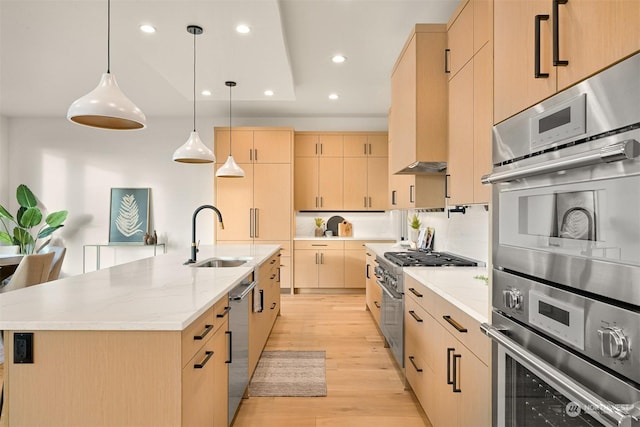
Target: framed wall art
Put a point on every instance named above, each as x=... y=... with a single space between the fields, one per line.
x=129 y=217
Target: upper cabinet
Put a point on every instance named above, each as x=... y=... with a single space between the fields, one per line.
x=341 y=171
x=264 y=146
x=418 y=118
x=418 y=129
x=470 y=102
x=590 y=36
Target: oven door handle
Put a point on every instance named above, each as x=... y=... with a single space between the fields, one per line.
x=387 y=291
x=557 y=379
x=628 y=149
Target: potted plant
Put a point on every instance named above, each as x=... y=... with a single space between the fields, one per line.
x=28 y=217
x=319 y=232
x=414 y=224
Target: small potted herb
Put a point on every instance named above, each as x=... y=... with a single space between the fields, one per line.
x=319 y=232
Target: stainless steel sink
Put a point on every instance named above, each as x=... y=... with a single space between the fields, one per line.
x=221 y=262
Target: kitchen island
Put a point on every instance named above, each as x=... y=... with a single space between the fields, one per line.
x=110 y=347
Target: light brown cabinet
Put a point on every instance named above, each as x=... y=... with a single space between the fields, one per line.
x=470 y=106
x=258 y=207
x=261 y=322
x=591 y=36
x=373 y=290
x=319 y=264
x=355 y=263
x=341 y=171
x=446 y=359
x=418 y=118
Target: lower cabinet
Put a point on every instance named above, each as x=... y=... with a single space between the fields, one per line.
x=446 y=360
x=319 y=264
x=265 y=306
x=373 y=290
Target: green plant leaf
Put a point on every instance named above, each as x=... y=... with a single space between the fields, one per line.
x=47 y=231
x=22 y=236
x=54 y=219
x=5 y=214
x=4 y=237
x=31 y=218
x=25 y=197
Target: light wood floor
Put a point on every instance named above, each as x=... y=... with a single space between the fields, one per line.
x=364 y=388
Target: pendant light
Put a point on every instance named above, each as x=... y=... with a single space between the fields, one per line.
x=194 y=151
x=230 y=169
x=106 y=106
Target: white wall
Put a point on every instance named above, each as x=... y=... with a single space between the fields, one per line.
x=73 y=167
x=4 y=161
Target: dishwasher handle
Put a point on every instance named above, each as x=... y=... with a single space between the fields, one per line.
x=244 y=293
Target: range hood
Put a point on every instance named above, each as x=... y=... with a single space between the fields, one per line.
x=418 y=168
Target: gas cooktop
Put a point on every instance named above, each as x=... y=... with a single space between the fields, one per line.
x=428 y=259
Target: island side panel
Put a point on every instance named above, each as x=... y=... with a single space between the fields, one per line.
x=97 y=378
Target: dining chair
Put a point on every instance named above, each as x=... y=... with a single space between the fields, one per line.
x=32 y=270
x=58 y=257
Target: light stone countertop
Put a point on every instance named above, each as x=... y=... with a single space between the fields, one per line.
x=358 y=238
x=156 y=293
x=455 y=284
x=458 y=286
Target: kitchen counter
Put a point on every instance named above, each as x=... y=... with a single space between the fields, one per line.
x=156 y=293
x=455 y=284
x=458 y=286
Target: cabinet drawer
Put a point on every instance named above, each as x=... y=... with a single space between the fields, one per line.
x=354 y=244
x=455 y=321
x=319 y=244
x=420 y=376
x=419 y=293
x=420 y=332
x=194 y=335
x=374 y=298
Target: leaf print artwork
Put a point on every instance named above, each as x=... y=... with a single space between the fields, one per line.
x=128 y=221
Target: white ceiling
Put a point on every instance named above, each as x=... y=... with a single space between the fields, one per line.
x=54 y=51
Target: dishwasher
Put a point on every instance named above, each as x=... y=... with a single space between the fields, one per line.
x=239 y=342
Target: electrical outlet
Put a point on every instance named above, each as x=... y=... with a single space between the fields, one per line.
x=23 y=347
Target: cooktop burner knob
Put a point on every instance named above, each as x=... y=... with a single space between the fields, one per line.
x=512 y=298
x=614 y=343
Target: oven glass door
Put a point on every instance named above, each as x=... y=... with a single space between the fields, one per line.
x=392 y=323
x=528 y=400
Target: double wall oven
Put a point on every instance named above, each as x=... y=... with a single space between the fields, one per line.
x=566 y=257
x=389 y=276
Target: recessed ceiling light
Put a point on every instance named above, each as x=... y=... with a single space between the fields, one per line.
x=243 y=29
x=146 y=28
x=338 y=59
x=206 y=92
x=333 y=96
x=268 y=92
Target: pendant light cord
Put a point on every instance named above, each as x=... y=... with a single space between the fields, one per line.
x=108 y=36
x=194 y=80
x=230 y=133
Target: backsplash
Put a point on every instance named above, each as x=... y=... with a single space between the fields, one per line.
x=463 y=234
x=365 y=224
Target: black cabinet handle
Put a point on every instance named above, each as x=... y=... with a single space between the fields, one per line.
x=230 y=359
x=274 y=305
x=455 y=373
x=366 y=271
x=536 y=51
x=415 y=316
x=449 y=351
x=414 y=364
x=556 y=34
x=207 y=329
x=261 y=300
x=416 y=293
x=376 y=304
x=224 y=313
x=446 y=186
x=455 y=324
x=447 y=53
x=200 y=365
x=279 y=274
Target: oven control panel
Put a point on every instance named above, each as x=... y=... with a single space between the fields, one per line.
x=614 y=343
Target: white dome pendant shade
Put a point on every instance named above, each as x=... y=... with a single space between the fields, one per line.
x=106 y=107
x=230 y=169
x=194 y=151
